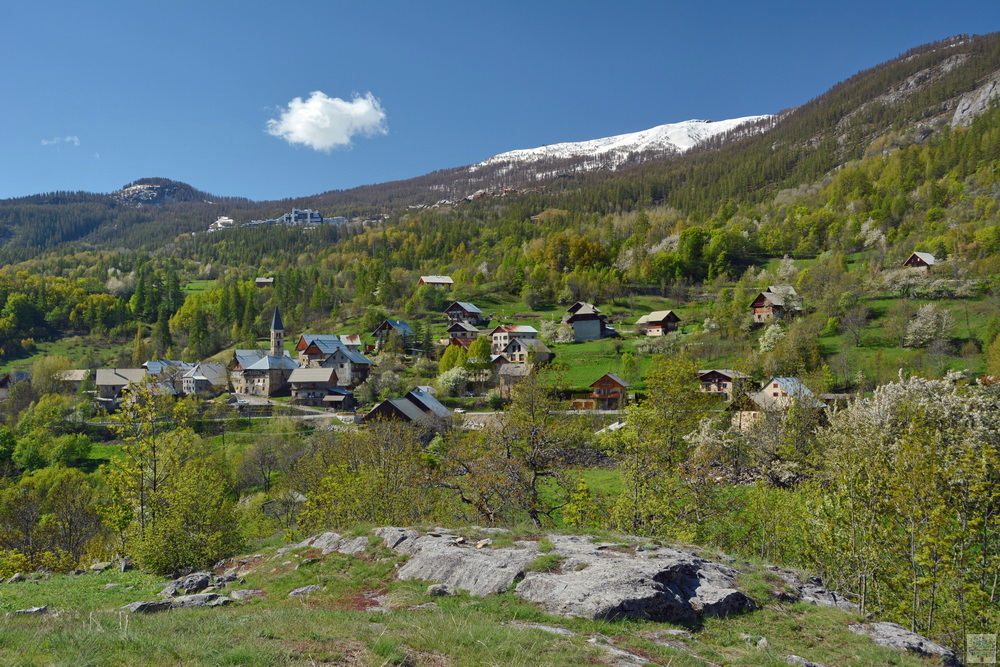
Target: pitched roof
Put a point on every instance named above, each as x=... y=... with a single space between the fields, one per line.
x=163 y=366
x=437 y=280
x=306 y=339
x=728 y=372
x=271 y=362
x=312 y=375
x=428 y=403
x=926 y=256
x=463 y=326
x=276 y=324
x=792 y=389
x=464 y=305
x=73 y=375
x=112 y=377
x=656 y=316
x=350 y=339
x=579 y=305
x=247 y=358
x=399 y=325
x=212 y=372
x=614 y=377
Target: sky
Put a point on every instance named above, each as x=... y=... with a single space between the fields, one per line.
x=273 y=100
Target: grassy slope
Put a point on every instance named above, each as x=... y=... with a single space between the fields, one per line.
x=336 y=625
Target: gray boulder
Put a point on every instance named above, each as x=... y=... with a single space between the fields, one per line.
x=440 y=590
x=305 y=590
x=811 y=591
x=192 y=583
x=196 y=600
x=246 y=593
x=479 y=571
x=400 y=540
x=31 y=611
x=150 y=607
x=660 y=584
x=799 y=660
x=17 y=577
x=900 y=639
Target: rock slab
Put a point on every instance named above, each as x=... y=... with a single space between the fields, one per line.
x=897 y=637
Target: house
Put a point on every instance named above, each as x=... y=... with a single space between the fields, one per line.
x=462 y=333
x=263 y=282
x=168 y=372
x=312 y=386
x=775 y=303
x=73 y=380
x=416 y=406
x=111 y=381
x=209 y=377
x=510 y=375
x=352 y=367
x=526 y=350
x=301 y=217
x=463 y=311
x=777 y=395
x=657 y=323
x=437 y=281
x=588 y=322
x=722 y=381
x=922 y=261
x=8 y=380
x=384 y=330
x=351 y=341
x=609 y=392
x=501 y=335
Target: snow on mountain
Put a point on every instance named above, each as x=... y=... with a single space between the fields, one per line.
x=612 y=151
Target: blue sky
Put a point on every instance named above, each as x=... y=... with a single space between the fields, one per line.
x=94 y=95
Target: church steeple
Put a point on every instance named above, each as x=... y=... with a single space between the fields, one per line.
x=277 y=335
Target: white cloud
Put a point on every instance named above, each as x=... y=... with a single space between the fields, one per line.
x=71 y=139
x=324 y=123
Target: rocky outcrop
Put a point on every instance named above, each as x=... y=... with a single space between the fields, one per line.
x=811 y=591
x=605 y=581
x=328 y=543
x=439 y=558
x=593 y=580
x=972 y=104
x=900 y=639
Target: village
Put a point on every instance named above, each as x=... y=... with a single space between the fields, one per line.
x=321 y=371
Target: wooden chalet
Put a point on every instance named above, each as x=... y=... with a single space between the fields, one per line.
x=463 y=311
x=775 y=303
x=722 y=381
x=462 y=333
x=387 y=327
x=415 y=406
x=609 y=392
x=444 y=282
x=658 y=323
x=924 y=261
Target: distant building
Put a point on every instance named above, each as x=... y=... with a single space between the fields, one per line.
x=723 y=381
x=501 y=335
x=588 y=322
x=775 y=303
x=222 y=223
x=416 y=406
x=777 y=395
x=437 y=281
x=463 y=311
x=74 y=379
x=657 y=323
x=387 y=327
x=112 y=381
x=609 y=392
x=8 y=380
x=923 y=261
x=263 y=282
x=264 y=373
x=208 y=377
